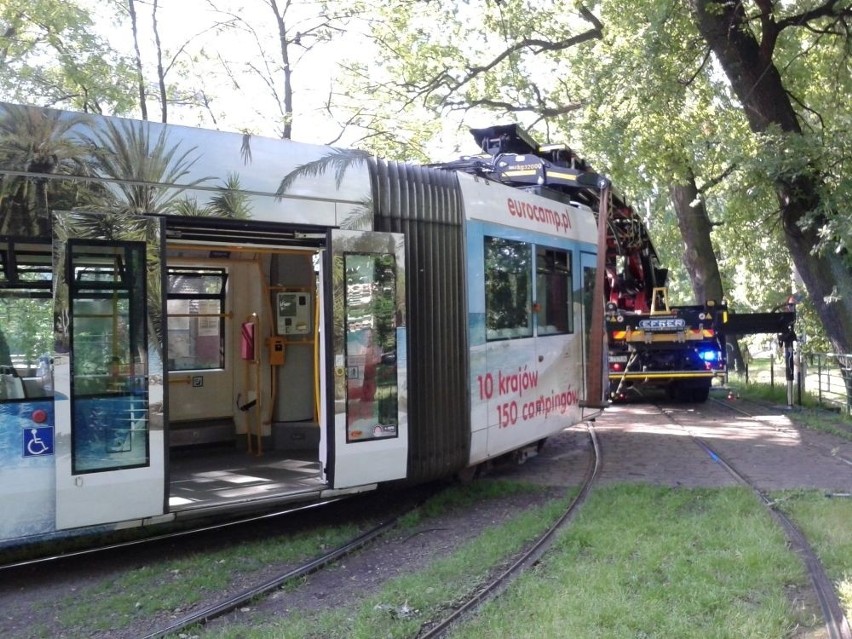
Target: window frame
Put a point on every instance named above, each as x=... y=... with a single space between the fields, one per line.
x=543 y=290
x=523 y=326
x=220 y=297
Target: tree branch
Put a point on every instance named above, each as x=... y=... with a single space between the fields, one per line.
x=701 y=66
x=822 y=11
x=545 y=112
x=717 y=179
x=536 y=45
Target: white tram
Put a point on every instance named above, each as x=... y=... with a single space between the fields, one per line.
x=195 y=322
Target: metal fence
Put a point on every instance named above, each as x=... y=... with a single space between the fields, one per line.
x=827 y=377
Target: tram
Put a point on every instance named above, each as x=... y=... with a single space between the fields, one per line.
x=196 y=323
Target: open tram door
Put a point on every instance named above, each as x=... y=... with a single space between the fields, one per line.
x=107 y=369
x=365 y=440
x=595 y=382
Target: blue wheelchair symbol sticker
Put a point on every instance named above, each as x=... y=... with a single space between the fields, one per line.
x=38 y=442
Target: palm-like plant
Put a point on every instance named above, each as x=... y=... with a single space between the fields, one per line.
x=340 y=161
x=36 y=141
x=231 y=201
x=146 y=171
x=143 y=174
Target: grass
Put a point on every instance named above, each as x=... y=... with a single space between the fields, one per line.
x=646 y=562
x=825 y=521
x=176 y=585
x=638 y=561
x=401 y=606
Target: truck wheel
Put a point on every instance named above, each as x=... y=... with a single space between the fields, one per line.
x=700 y=394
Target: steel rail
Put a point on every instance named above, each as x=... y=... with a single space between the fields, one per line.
x=130 y=543
x=836 y=623
x=225 y=606
x=531 y=556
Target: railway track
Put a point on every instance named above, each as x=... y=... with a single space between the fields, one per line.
x=217 y=609
x=260 y=592
x=836 y=624
x=432 y=629
x=496 y=585
x=108 y=563
x=93 y=551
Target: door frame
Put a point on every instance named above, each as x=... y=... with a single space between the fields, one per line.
x=356 y=455
x=135 y=486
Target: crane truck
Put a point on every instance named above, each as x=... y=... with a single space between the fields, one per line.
x=649 y=341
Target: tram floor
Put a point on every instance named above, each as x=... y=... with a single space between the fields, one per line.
x=220 y=476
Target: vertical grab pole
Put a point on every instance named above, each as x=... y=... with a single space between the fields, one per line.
x=597 y=336
x=258 y=415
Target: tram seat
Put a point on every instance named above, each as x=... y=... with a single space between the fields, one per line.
x=11 y=386
x=34 y=387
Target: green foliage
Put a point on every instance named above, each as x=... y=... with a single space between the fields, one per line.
x=648 y=561
x=51 y=54
x=26 y=329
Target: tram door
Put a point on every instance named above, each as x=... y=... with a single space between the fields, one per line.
x=588 y=266
x=368 y=441
x=107 y=369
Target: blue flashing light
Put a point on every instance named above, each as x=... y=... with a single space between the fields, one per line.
x=710 y=355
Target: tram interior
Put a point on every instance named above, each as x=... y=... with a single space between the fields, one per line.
x=241 y=362
x=242 y=374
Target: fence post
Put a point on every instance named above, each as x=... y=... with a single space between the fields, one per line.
x=801 y=374
x=819 y=378
x=845 y=362
x=788 y=370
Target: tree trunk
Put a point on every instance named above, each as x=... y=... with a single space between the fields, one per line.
x=140 y=78
x=161 y=74
x=759 y=87
x=284 y=44
x=698 y=255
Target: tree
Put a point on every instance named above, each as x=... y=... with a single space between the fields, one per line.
x=656 y=110
x=747 y=48
x=36 y=141
x=51 y=55
x=296 y=32
x=437 y=62
x=171 y=83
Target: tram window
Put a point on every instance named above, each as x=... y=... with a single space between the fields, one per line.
x=26 y=320
x=372 y=395
x=109 y=364
x=196 y=318
x=508 y=288
x=553 y=291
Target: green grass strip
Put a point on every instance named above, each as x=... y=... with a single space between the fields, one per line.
x=827 y=523
x=402 y=605
x=642 y=562
x=638 y=562
x=175 y=586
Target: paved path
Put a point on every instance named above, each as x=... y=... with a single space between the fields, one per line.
x=640 y=444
